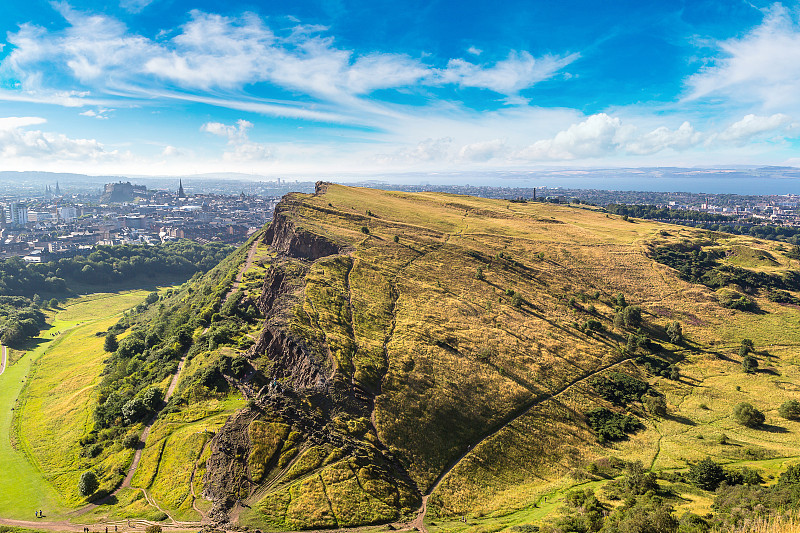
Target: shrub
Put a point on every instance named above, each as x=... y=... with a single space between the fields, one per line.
x=365 y=230
x=674 y=332
x=749 y=364
x=396 y=238
x=747 y=415
x=88 y=483
x=706 y=474
x=479 y=275
x=155 y=528
x=632 y=316
x=655 y=404
x=516 y=300
x=790 y=410
x=791 y=476
x=619 y=388
x=110 y=344
x=131 y=440
x=610 y=425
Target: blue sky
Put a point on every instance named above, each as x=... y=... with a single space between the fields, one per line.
x=338 y=87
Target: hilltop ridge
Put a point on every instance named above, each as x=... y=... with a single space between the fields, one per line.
x=390 y=357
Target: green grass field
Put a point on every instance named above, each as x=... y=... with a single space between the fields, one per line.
x=50 y=388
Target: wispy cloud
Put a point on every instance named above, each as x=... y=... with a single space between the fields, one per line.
x=761 y=67
x=212 y=51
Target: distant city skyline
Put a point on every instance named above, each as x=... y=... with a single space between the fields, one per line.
x=312 y=87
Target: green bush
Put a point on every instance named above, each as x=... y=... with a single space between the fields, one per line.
x=610 y=426
x=706 y=474
x=747 y=415
x=790 y=410
x=88 y=483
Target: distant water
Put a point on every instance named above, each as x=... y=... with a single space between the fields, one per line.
x=713 y=185
x=755 y=181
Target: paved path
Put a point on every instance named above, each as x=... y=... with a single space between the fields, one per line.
x=3 y=360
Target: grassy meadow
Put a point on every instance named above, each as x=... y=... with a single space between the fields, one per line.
x=52 y=395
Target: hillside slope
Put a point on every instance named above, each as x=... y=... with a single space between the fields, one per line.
x=415 y=345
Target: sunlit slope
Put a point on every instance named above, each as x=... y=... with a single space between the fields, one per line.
x=450 y=355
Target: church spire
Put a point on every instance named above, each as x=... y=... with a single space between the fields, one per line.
x=181 y=193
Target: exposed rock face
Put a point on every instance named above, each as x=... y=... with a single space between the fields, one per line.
x=226 y=479
x=290 y=241
x=293 y=362
x=296 y=385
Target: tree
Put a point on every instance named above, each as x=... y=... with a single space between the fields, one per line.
x=706 y=474
x=656 y=404
x=637 y=481
x=88 y=483
x=479 y=274
x=674 y=332
x=632 y=315
x=111 y=344
x=790 y=410
x=749 y=364
x=53 y=303
x=747 y=415
x=133 y=410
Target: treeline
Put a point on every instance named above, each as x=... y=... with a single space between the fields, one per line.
x=701 y=266
x=193 y=319
x=107 y=265
x=20 y=319
x=647 y=506
x=710 y=222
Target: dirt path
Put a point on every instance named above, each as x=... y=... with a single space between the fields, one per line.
x=419 y=521
x=237 y=282
x=3 y=360
x=137 y=457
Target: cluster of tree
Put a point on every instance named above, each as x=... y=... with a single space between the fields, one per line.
x=736 y=503
x=702 y=266
x=20 y=319
x=190 y=320
x=107 y=265
x=662 y=213
x=645 y=508
x=711 y=222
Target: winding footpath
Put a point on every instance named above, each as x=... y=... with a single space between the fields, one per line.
x=419 y=522
x=3 y=360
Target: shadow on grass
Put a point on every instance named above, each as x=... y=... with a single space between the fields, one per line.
x=769 y=428
x=681 y=420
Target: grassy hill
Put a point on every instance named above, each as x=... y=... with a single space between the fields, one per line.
x=381 y=349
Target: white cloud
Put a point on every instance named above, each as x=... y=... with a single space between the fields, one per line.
x=134 y=6
x=661 y=138
x=474 y=51
x=211 y=51
x=750 y=126
x=761 y=67
x=597 y=136
x=601 y=135
x=101 y=113
x=426 y=151
x=16 y=142
x=484 y=151
x=12 y=123
x=240 y=146
x=518 y=71
x=170 y=151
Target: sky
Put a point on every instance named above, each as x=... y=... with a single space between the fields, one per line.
x=327 y=87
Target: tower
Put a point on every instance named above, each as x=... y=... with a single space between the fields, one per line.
x=181 y=193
